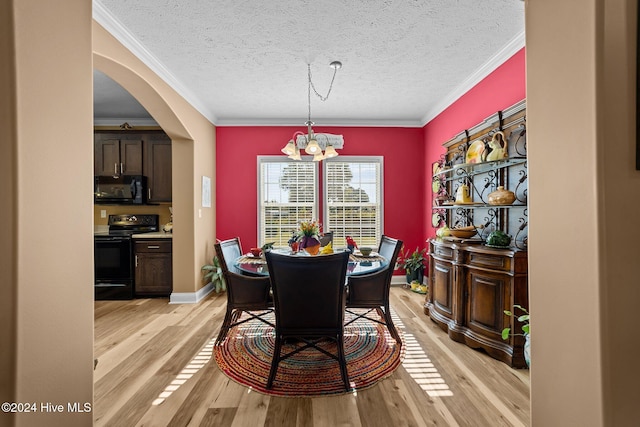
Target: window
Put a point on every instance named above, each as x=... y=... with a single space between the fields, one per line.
x=353 y=199
x=287 y=194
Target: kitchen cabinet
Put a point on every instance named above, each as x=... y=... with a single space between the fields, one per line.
x=117 y=154
x=153 y=267
x=470 y=286
x=157 y=167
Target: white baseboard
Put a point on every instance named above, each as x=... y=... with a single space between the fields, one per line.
x=398 y=280
x=402 y=280
x=190 y=297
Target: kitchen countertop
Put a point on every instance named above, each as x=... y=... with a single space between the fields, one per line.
x=103 y=230
x=153 y=235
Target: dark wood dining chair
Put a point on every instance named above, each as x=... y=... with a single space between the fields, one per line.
x=245 y=294
x=371 y=291
x=231 y=250
x=309 y=297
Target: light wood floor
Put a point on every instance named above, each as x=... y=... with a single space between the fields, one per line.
x=150 y=352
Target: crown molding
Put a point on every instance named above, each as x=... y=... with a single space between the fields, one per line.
x=320 y=125
x=110 y=23
x=510 y=49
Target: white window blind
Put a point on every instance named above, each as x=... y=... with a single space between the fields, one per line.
x=288 y=194
x=353 y=199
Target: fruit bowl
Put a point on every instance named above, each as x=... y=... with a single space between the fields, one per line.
x=365 y=251
x=462 y=234
x=256 y=252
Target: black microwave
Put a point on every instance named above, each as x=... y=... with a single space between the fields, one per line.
x=120 y=190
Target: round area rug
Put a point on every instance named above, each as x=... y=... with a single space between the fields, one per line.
x=371 y=353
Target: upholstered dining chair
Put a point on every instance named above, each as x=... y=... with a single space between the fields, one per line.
x=309 y=297
x=371 y=291
x=246 y=294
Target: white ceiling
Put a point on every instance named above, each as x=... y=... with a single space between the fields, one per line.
x=244 y=62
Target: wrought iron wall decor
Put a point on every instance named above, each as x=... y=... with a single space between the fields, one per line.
x=485 y=177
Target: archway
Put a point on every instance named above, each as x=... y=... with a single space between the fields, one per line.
x=193 y=156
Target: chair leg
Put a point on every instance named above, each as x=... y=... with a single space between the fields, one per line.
x=225 y=325
x=392 y=328
x=274 y=362
x=343 y=362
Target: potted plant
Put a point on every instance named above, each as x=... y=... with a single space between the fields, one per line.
x=524 y=319
x=215 y=275
x=413 y=264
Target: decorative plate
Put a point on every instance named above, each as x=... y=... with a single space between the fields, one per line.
x=436 y=168
x=435 y=186
x=475 y=152
x=435 y=219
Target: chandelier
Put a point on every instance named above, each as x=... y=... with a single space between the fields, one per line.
x=315 y=143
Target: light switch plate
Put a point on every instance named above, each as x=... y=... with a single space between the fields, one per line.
x=103 y=213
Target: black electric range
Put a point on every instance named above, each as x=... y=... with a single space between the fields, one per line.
x=113 y=255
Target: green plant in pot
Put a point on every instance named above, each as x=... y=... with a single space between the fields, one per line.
x=413 y=264
x=215 y=275
x=524 y=319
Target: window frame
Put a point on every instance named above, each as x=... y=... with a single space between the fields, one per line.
x=353 y=159
x=282 y=159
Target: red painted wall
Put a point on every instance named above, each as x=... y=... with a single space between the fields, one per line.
x=505 y=86
x=237 y=149
x=408 y=155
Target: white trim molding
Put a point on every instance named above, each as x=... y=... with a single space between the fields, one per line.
x=190 y=297
x=103 y=17
x=510 y=49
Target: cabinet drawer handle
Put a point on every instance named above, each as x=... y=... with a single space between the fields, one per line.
x=153 y=247
x=115 y=169
x=149 y=194
x=121 y=168
x=136 y=260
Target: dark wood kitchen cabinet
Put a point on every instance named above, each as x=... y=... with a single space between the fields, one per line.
x=157 y=167
x=147 y=152
x=153 y=267
x=470 y=287
x=117 y=154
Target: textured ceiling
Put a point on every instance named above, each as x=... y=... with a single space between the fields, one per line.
x=245 y=61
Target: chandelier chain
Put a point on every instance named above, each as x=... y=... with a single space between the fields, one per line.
x=312 y=86
x=325 y=97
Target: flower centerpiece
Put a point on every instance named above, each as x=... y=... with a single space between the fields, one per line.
x=309 y=236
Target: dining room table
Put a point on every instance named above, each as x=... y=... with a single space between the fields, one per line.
x=359 y=264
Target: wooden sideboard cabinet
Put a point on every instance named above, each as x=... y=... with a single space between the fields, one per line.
x=470 y=286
